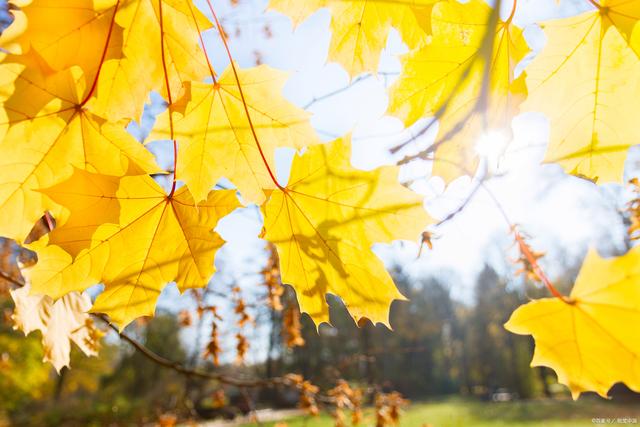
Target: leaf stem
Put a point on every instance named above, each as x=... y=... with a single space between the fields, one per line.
x=170 y=100
x=596 y=4
x=526 y=251
x=204 y=50
x=94 y=84
x=244 y=102
x=513 y=12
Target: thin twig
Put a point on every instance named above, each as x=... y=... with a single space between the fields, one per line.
x=480 y=181
x=345 y=88
x=178 y=367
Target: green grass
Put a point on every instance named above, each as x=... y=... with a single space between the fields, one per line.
x=459 y=412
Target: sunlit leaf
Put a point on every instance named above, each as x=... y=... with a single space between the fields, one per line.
x=155 y=35
x=592 y=341
x=324 y=224
x=131 y=236
x=47 y=132
x=585 y=81
x=361 y=27
x=214 y=136
x=473 y=91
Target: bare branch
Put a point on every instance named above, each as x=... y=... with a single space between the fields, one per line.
x=345 y=88
x=170 y=364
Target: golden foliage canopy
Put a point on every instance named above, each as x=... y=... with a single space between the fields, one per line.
x=75 y=73
x=69 y=91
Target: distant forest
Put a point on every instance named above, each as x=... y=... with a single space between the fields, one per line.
x=439 y=346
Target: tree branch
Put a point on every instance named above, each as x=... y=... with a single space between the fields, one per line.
x=170 y=364
x=178 y=367
x=345 y=88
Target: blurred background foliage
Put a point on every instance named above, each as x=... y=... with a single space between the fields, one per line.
x=439 y=347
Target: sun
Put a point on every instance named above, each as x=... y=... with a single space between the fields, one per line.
x=493 y=143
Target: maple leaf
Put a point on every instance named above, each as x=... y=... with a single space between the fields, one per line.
x=591 y=341
x=624 y=15
x=130 y=235
x=324 y=223
x=133 y=46
x=210 y=124
x=447 y=75
x=361 y=27
x=591 y=116
x=46 y=132
x=160 y=47
x=65 y=33
x=60 y=322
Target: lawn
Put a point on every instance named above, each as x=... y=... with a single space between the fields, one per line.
x=534 y=413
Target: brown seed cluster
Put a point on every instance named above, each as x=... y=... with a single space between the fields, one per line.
x=633 y=208
x=292 y=328
x=344 y=397
x=213 y=348
x=388 y=408
x=526 y=254
x=271 y=279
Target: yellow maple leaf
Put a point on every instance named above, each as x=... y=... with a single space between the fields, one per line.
x=324 y=224
x=583 y=80
x=634 y=41
x=446 y=76
x=65 y=33
x=60 y=322
x=591 y=341
x=130 y=235
x=214 y=136
x=135 y=46
x=156 y=35
x=624 y=15
x=46 y=132
x=361 y=27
